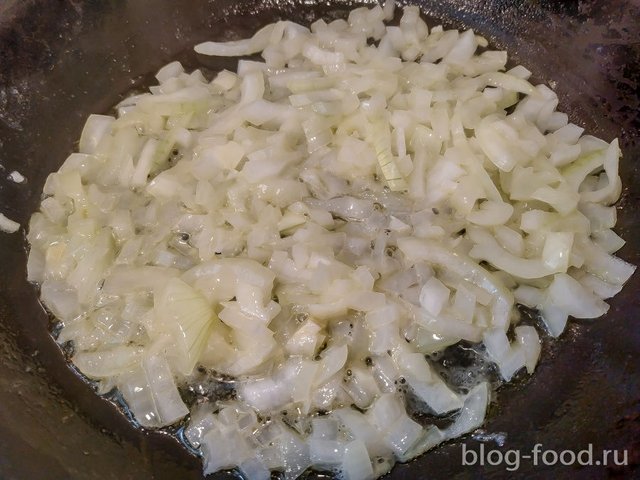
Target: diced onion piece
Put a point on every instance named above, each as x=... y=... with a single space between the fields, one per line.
x=473 y=411
x=187 y=316
x=557 y=251
x=381 y=139
x=236 y=48
x=568 y=294
x=108 y=363
x=151 y=394
x=96 y=127
x=166 y=397
x=433 y=296
x=7 y=225
x=491 y=213
x=528 y=338
x=16 y=177
x=332 y=361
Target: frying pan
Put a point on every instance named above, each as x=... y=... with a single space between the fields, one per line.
x=61 y=60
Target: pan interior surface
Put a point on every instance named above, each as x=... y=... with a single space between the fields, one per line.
x=61 y=61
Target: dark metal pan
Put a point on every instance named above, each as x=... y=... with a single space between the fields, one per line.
x=61 y=60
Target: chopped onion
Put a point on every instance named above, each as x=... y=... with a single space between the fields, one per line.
x=16 y=177
x=96 y=127
x=188 y=318
x=7 y=225
x=296 y=242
